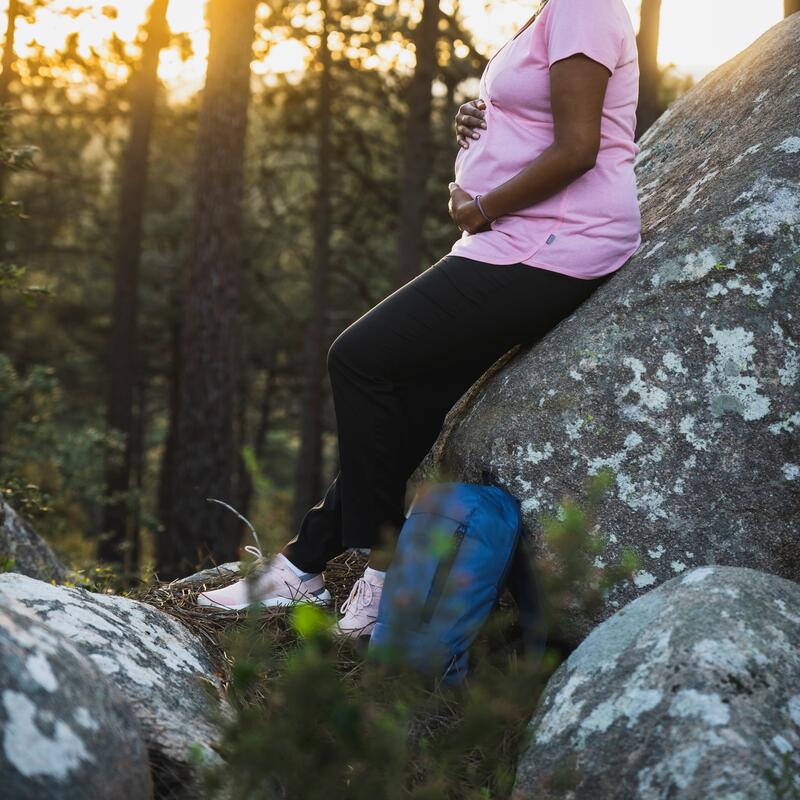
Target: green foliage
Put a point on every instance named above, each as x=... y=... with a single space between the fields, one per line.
x=571 y=536
x=783 y=779
x=673 y=84
x=46 y=464
x=59 y=239
x=13 y=159
x=314 y=719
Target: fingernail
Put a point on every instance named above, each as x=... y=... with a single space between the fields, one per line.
x=483 y=124
x=475 y=135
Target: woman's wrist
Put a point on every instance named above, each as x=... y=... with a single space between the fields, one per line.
x=481 y=210
x=486 y=207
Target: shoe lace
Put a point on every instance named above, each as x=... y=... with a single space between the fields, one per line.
x=360 y=595
x=254 y=550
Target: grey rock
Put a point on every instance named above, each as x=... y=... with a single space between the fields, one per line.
x=159 y=665
x=227 y=570
x=681 y=372
x=67 y=733
x=691 y=691
x=24 y=550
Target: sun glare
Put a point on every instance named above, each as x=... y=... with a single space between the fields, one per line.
x=696 y=35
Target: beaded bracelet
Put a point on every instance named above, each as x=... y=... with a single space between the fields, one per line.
x=480 y=208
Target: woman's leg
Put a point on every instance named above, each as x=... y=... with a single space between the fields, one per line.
x=396 y=372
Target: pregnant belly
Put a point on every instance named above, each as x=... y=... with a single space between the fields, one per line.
x=504 y=148
x=607 y=193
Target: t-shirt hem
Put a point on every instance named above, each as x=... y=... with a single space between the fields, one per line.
x=564 y=271
x=551 y=267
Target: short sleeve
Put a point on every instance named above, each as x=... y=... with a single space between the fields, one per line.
x=590 y=27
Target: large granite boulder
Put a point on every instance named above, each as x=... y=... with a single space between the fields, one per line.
x=692 y=691
x=681 y=373
x=23 y=550
x=161 y=667
x=67 y=733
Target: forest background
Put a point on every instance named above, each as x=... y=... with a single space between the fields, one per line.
x=197 y=198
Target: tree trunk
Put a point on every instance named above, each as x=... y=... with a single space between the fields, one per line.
x=138 y=456
x=6 y=77
x=165 y=493
x=790 y=7
x=264 y=419
x=417 y=147
x=259 y=439
x=123 y=361
x=9 y=55
x=308 y=474
x=205 y=457
x=242 y=489
x=649 y=109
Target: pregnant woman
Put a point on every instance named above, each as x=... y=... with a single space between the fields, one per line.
x=545 y=197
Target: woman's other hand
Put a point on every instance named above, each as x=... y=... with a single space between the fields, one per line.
x=469 y=117
x=465 y=211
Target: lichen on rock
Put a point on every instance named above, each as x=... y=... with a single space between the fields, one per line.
x=23 y=550
x=692 y=690
x=683 y=369
x=65 y=730
x=160 y=667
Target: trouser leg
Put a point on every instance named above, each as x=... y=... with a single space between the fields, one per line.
x=319 y=538
x=395 y=373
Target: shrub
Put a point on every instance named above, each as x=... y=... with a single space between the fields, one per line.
x=314 y=719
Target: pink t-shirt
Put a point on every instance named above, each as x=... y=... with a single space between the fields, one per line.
x=593 y=225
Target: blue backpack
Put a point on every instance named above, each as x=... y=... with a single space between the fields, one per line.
x=459 y=548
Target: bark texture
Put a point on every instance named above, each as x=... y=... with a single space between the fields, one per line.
x=417 y=154
x=117 y=543
x=649 y=108
x=308 y=472
x=205 y=457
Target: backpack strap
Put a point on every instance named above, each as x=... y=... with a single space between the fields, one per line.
x=488 y=478
x=528 y=595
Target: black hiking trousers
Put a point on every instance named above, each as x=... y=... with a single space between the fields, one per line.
x=397 y=370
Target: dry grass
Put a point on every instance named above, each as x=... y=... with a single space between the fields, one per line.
x=210 y=624
x=436 y=710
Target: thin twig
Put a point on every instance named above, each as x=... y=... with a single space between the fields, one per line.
x=242 y=518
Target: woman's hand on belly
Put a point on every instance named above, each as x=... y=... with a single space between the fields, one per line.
x=469 y=117
x=465 y=211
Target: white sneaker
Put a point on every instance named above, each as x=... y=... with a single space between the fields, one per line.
x=276 y=584
x=361 y=607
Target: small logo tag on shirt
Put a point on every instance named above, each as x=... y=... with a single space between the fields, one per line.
x=551 y=238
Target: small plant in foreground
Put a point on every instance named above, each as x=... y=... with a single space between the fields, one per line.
x=314 y=719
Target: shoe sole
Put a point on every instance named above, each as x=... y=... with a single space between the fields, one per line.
x=346 y=633
x=323 y=599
